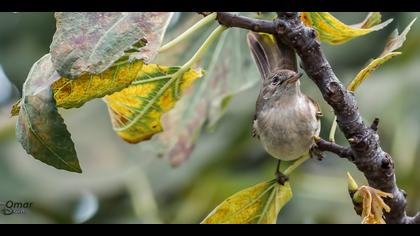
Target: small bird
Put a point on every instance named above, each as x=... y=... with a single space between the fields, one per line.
x=286 y=120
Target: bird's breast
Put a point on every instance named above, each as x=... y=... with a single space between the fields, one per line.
x=286 y=130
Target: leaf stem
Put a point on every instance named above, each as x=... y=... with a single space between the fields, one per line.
x=197 y=56
x=200 y=24
x=331 y=136
x=296 y=164
x=175 y=76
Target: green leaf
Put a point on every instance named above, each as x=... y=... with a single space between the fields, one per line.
x=211 y=95
x=332 y=31
x=259 y=204
x=42 y=132
x=40 y=128
x=227 y=78
x=90 y=42
x=136 y=110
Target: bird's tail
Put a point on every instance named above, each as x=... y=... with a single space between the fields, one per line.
x=270 y=55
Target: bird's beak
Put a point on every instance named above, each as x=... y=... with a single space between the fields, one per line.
x=294 y=78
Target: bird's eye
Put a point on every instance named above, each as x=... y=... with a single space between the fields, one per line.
x=275 y=80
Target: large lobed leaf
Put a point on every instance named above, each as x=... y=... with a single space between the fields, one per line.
x=90 y=42
x=259 y=204
x=332 y=31
x=227 y=78
x=136 y=110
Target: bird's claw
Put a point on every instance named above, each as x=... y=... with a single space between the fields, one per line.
x=315 y=152
x=281 y=178
x=319 y=115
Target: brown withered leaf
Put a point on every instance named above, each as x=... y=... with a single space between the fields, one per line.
x=373 y=204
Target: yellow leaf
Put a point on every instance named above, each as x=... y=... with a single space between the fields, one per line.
x=332 y=31
x=395 y=41
x=363 y=74
x=258 y=204
x=74 y=93
x=136 y=111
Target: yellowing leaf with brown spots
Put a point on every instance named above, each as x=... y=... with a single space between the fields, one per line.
x=259 y=204
x=74 y=93
x=332 y=31
x=136 y=111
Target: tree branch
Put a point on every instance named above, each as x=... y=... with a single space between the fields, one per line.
x=368 y=156
x=232 y=20
x=339 y=150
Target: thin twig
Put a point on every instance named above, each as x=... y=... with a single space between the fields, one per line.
x=257 y=25
x=341 y=151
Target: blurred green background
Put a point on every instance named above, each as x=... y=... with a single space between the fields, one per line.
x=124 y=183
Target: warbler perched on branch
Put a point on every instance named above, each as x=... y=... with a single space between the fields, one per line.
x=286 y=120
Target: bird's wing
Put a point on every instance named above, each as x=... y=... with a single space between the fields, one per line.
x=254 y=130
x=318 y=113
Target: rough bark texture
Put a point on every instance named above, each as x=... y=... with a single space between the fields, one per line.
x=365 y=150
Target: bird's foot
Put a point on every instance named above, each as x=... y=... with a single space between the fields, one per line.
x=319 y=115
x=315 y=152
x=280 y=177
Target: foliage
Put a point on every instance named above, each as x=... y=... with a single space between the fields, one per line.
x=395 y=41
x=101 y=55
x=259 y=204
x=333 y=31
x=136 y=110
